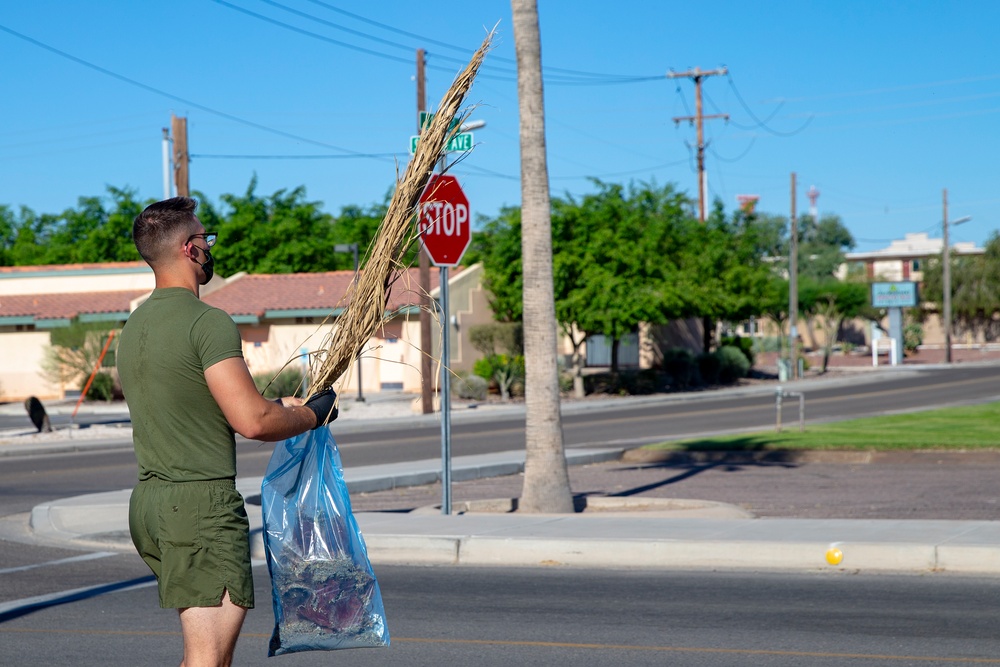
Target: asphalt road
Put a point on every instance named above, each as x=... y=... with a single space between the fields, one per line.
x=27 y=481
x=544 y=616
x=487 y=617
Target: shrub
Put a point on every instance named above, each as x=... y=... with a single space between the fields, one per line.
x=504 y=369
x=680 y=364
x=709 y=367
x=288 y=382
x=733 y=364
x=483 y=368
x=102 y=388
x=913 y=337
x=626 y=383
x=744 y=345
x=470 y=386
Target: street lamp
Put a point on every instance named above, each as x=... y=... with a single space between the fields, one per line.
x=353 y=249
x=946 y=279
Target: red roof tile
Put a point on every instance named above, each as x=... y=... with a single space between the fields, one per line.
x=58 y=306
x=73 y=267
x=256 y=294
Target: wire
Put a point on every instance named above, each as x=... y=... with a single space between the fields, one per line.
x=289 y=157
x=758 y=121
x=324 y=38
x=182 y=100
x=454 y=47
x=740 y=126
x=504 y=74
x=742 y=155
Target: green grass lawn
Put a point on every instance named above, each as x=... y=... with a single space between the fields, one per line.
x=974 y=427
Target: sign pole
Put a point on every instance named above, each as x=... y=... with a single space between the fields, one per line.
x=445 y=234
x=445 y=396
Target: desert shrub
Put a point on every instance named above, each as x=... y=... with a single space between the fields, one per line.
x=470 y=386
x=744 y=345
x=913 y=337
x=102 y=387
x=503 y=369
x=627 y=383
x=680 y=365
x=288 y=382
x=483 y=367
x=565 y=382
x=709 y=367
x=733 y=364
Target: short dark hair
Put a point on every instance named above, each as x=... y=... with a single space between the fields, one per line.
x=158 y=223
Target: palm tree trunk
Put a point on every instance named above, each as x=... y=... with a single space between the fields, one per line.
x=546 y=479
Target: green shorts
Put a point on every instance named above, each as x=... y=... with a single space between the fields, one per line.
x=195 y=537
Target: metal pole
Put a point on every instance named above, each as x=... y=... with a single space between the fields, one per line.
x=793 y=290
x=946 y=280
x=802 y=412
x=445 y=396
x=354 y=249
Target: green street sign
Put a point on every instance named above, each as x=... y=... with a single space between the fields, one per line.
x=459 y=143
x=426 y=117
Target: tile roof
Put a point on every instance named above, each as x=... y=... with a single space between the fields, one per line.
x=257 y=294
x=66 y=306
x=49 y=268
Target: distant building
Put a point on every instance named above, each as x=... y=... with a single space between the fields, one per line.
x=279 y=317
x=904 y=259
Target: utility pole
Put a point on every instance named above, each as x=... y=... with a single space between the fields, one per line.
x=166 y=163
x=426 y=346
x=793 y=290
x=179 y=130
x=697 y=75
x=946 y=281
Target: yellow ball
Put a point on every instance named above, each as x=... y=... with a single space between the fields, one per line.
x=834 y=556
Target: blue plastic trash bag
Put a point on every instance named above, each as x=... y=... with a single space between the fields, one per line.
x=324 y=590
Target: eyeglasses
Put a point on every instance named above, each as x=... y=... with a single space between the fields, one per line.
x=210 y=238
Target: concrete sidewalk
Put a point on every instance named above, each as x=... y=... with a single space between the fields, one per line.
x=674 y=534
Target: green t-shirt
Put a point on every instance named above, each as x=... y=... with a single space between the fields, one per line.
x=179 y=431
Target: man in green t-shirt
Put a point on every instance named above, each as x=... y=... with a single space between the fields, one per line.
x=189 y=391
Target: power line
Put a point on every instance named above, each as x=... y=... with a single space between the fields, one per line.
x=182 y=100
x=504 y=74
x=427 y=40
x=759 y=122
x=289 y=157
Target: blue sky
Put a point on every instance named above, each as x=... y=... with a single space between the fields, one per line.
x=879 y=104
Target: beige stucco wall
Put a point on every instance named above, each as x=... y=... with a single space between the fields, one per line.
x=70 y=283
x=22 y=360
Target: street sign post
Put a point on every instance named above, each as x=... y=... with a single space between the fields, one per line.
x=443 y=228
x=460 y=143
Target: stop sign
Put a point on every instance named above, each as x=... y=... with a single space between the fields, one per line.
x=443 y=222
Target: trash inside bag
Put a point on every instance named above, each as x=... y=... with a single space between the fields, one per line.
x=324 y=591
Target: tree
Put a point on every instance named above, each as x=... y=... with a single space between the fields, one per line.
x=822 y=245
x=546 y=478
x=498 y=247
x=726 y=268
x=975 y=284
x=282 y=233
x=616 y=263
x=832 y=301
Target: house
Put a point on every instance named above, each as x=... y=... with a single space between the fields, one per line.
x=281 y=319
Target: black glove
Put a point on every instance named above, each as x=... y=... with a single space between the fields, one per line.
x=323 y=404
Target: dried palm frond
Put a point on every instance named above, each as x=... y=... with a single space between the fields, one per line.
x=366 y=310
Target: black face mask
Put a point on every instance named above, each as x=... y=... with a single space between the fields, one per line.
x=208 y=266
